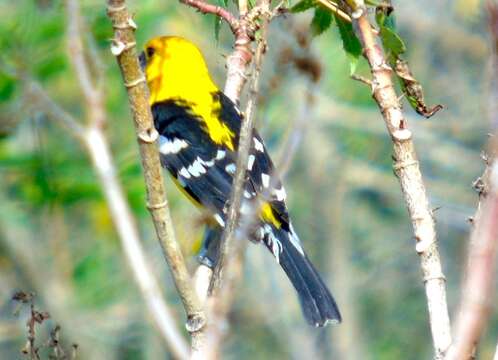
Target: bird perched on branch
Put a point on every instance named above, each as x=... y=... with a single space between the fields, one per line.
x=199 y=134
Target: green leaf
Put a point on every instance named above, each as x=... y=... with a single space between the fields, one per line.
x=392 y=41
x=321 y=21
x=217 y=28
x=301 y=6
x=218 y=20
x=7 y=87
x=350 y=41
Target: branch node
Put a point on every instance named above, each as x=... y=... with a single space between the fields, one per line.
x=430 y=277
x=357 y=13
x=118 y=46
x=195 y=322
x=402 y=135
x=422 y=245
x=400 y=165
x=135 y=82
x=113 y=9
x=148 y=135
x=160 y=205
x=362 y=79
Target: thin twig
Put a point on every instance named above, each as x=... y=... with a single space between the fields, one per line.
x=335 y=9
x=91 y=93
x=481 y=267
x=407 y=169
x=98 y=148
x=478 y=288
x=206 y=8
x=39 y=98
x=124 y=48
x=245 y=141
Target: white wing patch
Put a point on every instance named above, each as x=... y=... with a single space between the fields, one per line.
x=171 y=146
x=220 y=154
x=250 y=162
x=184 y=172
x=295 y=240
x=274 y=244
x=258 y=145
x=280 y=194
x=196 y=168
x=230 y=168
x=265 y=179
x=219 y=219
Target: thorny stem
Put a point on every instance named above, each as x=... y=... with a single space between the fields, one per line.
x=407 y=169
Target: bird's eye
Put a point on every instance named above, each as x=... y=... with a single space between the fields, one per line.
x=150 y=51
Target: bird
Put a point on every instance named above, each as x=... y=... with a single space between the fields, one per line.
x=199 y=128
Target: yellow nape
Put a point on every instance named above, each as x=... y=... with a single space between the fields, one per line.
x=176 y=70
x=268 y=215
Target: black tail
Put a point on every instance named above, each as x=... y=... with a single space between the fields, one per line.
x=318 y=305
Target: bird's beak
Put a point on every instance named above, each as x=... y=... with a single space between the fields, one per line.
x=142 y=60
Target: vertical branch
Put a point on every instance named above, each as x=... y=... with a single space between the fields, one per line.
x=240 y=58
x=245 y=140
x=124 y=48
x=481 y=267
x=407 y=169
x=478 y=287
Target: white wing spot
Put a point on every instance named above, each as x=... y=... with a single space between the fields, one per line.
x=219 y=219
x=273 y=242
x=167 y=146
x=295 y=240
x=208 y=163
x=280 y=194
x=196 y=168
x=220 y=154
x=184 y=172
x=250 y=162
x=247 y=195
x=265 y=179
x=258 y=145
x=230 y=168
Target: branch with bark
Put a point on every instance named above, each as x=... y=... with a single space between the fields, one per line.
x=92 y=137
x=478 y=285
x=407 y=169
x=124 y=48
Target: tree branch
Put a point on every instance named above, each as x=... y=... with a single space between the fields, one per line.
x=245 y=141
x=477 y=290
x=206 y=8
x=407 y=169
x=95 y=142
x=481 y=266
x=124 y=48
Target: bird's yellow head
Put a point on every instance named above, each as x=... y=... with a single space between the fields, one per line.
x=175 y=69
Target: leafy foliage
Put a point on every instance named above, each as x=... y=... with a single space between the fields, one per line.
x=321 y=21
x=303 y=5
x=395 y=47
x=350 y=42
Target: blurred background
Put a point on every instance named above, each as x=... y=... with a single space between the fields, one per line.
x=56 y=235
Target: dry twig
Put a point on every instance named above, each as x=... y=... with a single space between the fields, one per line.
x=407 y=169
